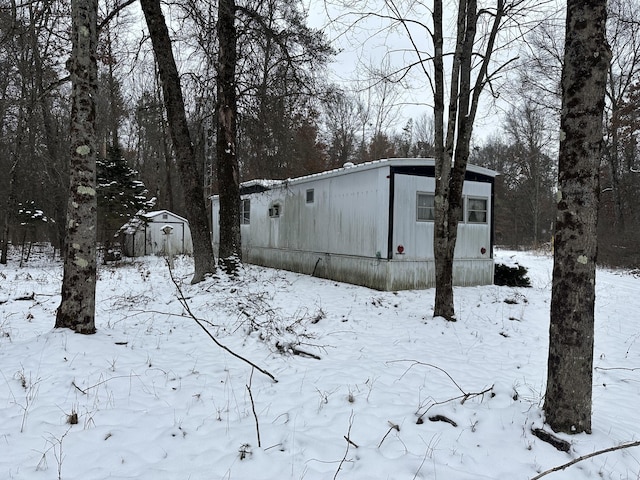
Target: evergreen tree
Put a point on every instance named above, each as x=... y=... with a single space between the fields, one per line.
x=120 y=195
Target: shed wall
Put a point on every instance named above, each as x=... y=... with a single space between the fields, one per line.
x=150 y=240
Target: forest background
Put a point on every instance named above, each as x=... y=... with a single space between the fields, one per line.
x=300 y=110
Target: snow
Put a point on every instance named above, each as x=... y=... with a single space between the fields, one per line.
x=155 y=398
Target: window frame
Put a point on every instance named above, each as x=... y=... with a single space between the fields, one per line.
x=471 y=211
x=420 y=208
x=433 y=207
x=275 y=210
x=245 y=211
x=310 y=196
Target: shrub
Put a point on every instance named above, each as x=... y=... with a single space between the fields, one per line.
x=511 y=276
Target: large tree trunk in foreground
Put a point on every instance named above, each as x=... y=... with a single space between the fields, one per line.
x=77 y=309
x=570 y=365
x=179 y=130
x=227 y=162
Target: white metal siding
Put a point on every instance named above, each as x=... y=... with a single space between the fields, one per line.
x=344 y=233
x=417 y=237
x=150 y=240
x=349 y=216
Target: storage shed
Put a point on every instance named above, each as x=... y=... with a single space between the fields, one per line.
x=369 y=224
x=157 y=233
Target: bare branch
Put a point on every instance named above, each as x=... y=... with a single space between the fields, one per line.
x=585 y=457
x=183 y=301
x=114 y=12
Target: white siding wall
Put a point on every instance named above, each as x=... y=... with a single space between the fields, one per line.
x=150 y=240
x=474 y=236
x=417 y=237
x=343 y=234
x=349 y=216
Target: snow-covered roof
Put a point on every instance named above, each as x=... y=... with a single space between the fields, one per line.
x=136 y=223
x=154 y=214
x=264 y=184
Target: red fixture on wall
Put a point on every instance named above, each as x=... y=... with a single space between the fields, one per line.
x=400 y=249
x=483 y=250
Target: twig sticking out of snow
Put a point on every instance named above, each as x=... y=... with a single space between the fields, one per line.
x=392 y=426
x=347 y=437
x=253 y=408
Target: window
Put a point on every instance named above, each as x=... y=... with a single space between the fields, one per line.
x=310 y=195
x=425 y=207
x=274 y=210
x=165 y=216
x=245 y=212
x=477 y=210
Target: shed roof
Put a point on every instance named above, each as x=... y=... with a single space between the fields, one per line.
x=155 y=213
x=136 y=223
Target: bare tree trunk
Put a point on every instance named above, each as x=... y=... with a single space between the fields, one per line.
x=11 y=205
x=570 y=363
x=452 y=152
x=444 y=273
x=77 y=308
x=10 y=211
x=179 y=129
x=613 y=159
x=227 y=162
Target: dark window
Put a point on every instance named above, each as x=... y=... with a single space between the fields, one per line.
x=245 y=211
x=274 y=210
x=310 y=195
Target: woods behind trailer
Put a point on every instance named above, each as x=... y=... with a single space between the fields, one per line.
x=369 y=224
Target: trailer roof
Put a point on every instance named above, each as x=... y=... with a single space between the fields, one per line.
x=261 y=184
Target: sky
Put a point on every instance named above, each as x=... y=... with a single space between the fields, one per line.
x=366 y=41
x=150 y=396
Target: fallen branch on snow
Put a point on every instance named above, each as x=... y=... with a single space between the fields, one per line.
x=585 y=457
x=551 y=439
x=183 y=301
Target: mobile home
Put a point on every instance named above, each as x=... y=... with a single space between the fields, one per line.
x=369 y=224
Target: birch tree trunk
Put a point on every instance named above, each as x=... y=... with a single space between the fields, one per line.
x=227 y=162
x=77 y=308
x=181 y=139
x=570 y=362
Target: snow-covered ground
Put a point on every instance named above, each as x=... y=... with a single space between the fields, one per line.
x=155 y=398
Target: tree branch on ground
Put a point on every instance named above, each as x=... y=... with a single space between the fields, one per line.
x=183 y=301
x=585 y=457
x=463 y=398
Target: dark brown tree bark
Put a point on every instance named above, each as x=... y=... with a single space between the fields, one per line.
x=452 y=151
x=77 y=308
x=181 y=139
x=230 y=252
x=570 y=363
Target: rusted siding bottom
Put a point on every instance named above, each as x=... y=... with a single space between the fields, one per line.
x=380 y=274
